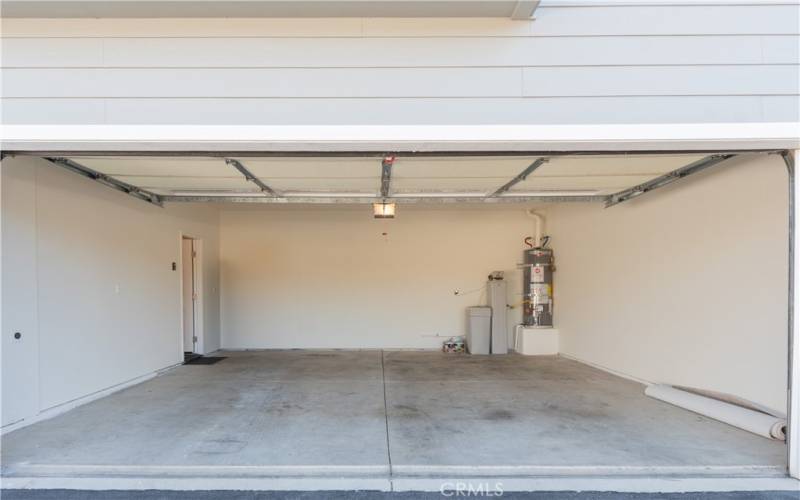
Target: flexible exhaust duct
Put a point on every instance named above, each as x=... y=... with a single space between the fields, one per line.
x=757 y=422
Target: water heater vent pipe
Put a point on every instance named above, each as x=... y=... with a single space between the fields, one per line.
x=537 y=242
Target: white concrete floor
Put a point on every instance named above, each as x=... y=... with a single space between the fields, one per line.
x=372 y=413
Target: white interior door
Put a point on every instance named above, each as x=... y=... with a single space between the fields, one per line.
x=187 y=265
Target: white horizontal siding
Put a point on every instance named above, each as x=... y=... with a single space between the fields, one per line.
x=402 y=82
x=397 y=52
x=600 y=64
x=516 y=111
x=455 y=111
x=53 y=111
x=234 y=83
x=667 y=20
x=661 y=80
x=423 y=52
x=549 y=21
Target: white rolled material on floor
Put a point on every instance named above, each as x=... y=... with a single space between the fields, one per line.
x=763 y=424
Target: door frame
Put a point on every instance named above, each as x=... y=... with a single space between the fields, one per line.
x=197 y=276
x=790 y=157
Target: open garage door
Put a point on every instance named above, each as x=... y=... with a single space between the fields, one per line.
x=419 y=408
x=604 y=178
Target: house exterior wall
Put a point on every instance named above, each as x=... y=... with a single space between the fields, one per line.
x=577 y=63
x=582 y=63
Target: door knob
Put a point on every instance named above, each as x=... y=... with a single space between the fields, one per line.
x=17 y=335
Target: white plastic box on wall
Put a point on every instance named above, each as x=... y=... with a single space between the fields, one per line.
x=536 y=341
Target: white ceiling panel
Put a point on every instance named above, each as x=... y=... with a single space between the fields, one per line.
x=158 y=166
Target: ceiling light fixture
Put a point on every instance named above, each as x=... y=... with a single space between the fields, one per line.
x=383 y=210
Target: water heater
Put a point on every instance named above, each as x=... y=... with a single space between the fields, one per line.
x=538 y=287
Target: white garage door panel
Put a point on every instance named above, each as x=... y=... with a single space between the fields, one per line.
x=661 y=80
x=190 y=183
x=620 y=165
x=344 y=185
x=268 y=169
x=413 y=52
x=459 y=167
x=452 y=184
x=337 y=82
x=579 y=174
x=581 y=183
x=174 y=167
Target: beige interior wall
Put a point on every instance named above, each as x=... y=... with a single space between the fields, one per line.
x=684 y=285
x=101 y=286
x=328 y=277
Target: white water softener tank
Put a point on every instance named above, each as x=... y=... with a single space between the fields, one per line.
x=538 y=287
x=479 y=329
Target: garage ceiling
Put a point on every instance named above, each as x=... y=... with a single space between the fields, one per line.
x=357 y=179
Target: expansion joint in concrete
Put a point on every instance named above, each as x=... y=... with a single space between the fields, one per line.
x=386 y=416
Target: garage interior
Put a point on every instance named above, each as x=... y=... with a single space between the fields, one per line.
x=330 y=283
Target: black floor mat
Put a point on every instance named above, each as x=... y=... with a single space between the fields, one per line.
x=188 y=356
x=205 y=360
